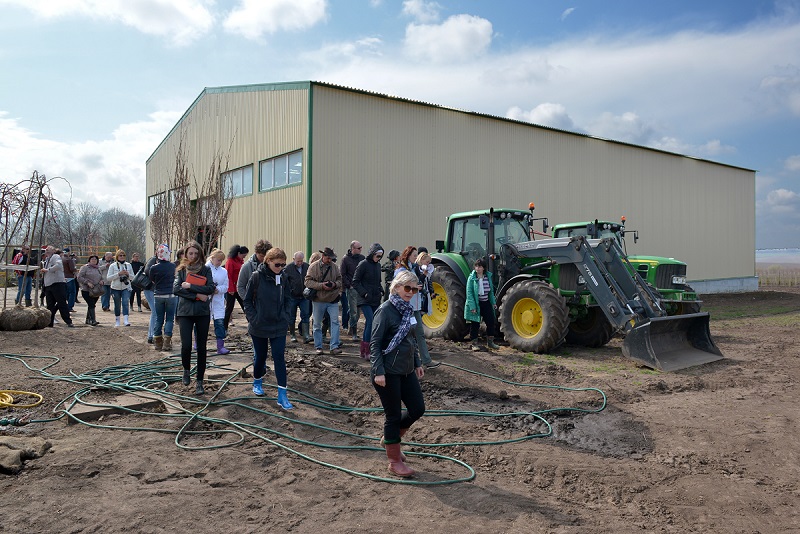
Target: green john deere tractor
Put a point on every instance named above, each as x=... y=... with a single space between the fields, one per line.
x=667 y=275
x=544 y=300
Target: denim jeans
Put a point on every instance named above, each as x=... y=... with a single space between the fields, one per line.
x=369 y=313
x=261 y=352
x=164 y=311
x=320 y=309
x=219 y=329
x=352 y=298
x=105 y=298
x=123 y=296
x=149 y=296
x=305 y=310
x=72 y=291
x=28 y=283
x=345 y=311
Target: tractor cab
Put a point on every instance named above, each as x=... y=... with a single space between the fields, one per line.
x=596 y=229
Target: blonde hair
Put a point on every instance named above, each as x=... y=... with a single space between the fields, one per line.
x=314 y=257
x=216 y=253
x=119 y=251
x=424 y=256
x=403 y=278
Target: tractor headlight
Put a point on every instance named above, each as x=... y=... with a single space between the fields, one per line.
x=679 y=280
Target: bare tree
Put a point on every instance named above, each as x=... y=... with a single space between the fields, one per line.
x=177 y=219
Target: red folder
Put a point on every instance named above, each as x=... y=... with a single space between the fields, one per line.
x=196 y=280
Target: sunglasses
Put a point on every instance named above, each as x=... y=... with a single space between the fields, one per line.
x=279 y=265
x=411 y=289
x=379 y=256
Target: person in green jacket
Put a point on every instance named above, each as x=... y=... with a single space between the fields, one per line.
x=480 y=305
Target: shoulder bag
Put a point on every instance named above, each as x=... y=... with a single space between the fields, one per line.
x=142 y=281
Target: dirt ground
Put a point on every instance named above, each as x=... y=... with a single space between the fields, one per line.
x=706 y=449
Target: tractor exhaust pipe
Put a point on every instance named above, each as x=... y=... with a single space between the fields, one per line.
x=672 y=343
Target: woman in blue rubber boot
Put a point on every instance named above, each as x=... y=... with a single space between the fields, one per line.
x=266 y=305
x=396 y=367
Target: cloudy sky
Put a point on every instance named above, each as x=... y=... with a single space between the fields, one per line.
x=88 y=88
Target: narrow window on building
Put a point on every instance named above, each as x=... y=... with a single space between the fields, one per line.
x=238 y=182
x=281 y=171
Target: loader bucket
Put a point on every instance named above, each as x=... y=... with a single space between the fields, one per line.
x=672 y=343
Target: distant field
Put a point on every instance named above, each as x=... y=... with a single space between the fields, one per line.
x=778 y=274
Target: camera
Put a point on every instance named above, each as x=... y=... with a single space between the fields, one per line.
x=124 y=278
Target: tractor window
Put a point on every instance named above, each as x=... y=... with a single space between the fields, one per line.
x=569 y=232
x=510 y=231
x=468 y=239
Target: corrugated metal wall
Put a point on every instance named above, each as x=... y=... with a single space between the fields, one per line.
x=248 y=126
x=390 y=171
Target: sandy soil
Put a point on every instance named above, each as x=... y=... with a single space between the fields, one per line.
x=707 y=449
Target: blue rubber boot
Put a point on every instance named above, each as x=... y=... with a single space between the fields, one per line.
x=283 y=400
x=257 y=389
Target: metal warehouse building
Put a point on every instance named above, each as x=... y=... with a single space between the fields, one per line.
x=314 y=164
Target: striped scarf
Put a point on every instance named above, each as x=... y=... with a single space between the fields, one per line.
x=405 y=325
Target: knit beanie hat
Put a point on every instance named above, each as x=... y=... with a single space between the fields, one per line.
x=163 y=252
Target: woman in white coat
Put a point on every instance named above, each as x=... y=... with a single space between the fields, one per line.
x=120 y=273
x=215 y=260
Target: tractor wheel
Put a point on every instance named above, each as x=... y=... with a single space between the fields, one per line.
x=592 y=330
x=447 y=319
x=690 y=306
x=533 y=316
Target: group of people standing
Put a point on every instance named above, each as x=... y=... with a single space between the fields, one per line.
x=194 y=292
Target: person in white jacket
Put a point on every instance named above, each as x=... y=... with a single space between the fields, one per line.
x=120 y=273
x=220 y=275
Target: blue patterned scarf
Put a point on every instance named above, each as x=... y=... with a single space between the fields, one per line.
x=405 y=326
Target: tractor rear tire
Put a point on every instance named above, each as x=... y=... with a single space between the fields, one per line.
x=447 y=319
x=593 y=331
x=533 y=317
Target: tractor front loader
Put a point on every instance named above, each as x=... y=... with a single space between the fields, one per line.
x=629 y=303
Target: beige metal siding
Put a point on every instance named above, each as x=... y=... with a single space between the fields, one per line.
x=390 y=171
x=247 y=127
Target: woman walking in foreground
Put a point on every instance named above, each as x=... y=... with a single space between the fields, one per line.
x=396 y=367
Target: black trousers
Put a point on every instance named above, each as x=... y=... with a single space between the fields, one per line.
x=400 y=389
x=137 y=293
x=56 y=295
x=487 y=314
x=198 y=325
x=230 y=302
x=90 y=303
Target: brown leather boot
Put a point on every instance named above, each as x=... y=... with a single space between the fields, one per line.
x=396 y=464
x=167 y=344
x=402 y=433
x=158 y=342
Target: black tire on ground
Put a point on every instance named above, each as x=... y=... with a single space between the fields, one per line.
x=594 y=330
x=447 y=320
x=533 y=316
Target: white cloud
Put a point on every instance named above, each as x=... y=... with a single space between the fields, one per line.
x=421 y=10
x=109 y=173
x=792 y=163
x=182 y=21
x=567 y=12
x=255 y=18
x=547 y=114
x=459 y=38
x=782 y=201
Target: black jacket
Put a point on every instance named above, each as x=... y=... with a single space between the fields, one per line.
x=349 y=264
x=162 y=274
x=188 y=305
x=248 y=268
x=367 y=279
x=296 y=280
x=266 y=304
x=405 y=357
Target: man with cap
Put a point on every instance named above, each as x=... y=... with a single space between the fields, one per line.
x=324 y=277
